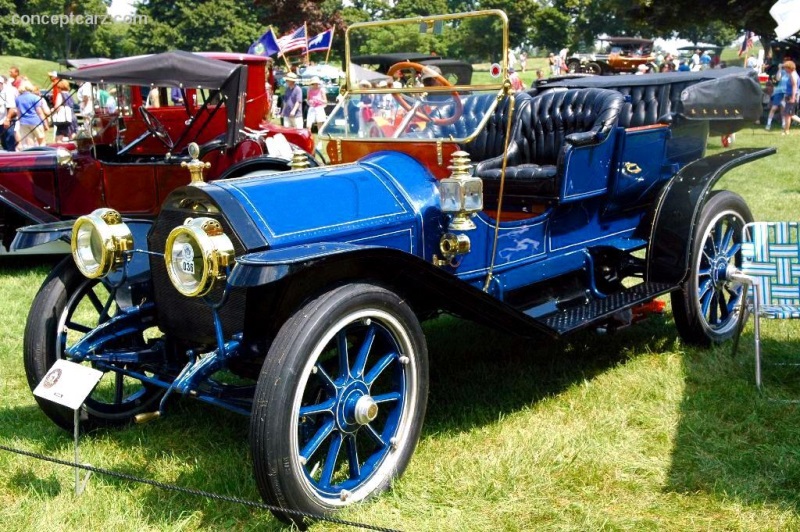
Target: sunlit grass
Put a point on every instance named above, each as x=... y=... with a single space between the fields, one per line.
x=627 y=431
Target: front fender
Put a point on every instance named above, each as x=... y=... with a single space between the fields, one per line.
x=316 y=267
x=678 y=209
x=25 y=209
x=37 y=235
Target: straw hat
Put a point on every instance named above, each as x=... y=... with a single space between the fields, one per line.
x=364 y=83
x=291 y=76
x=315 y=80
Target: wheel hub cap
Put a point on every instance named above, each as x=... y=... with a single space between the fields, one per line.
x=719 y=270
x=366 y=410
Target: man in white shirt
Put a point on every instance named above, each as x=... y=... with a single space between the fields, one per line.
x=86 y=103
x=8 y=112
x=696 y=61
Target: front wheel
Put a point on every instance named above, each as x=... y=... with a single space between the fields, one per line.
x=340 y=401
x=68 y=306
x=707 y=307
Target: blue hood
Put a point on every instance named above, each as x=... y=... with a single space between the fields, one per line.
x=384 y=199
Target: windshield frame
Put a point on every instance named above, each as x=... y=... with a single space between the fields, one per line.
x=351 y=92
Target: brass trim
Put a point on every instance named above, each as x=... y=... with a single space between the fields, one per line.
x=195 y=166
x=115 y=239
x=439 y=153
x=501 y=192
x=632 y=168
x=216 y=253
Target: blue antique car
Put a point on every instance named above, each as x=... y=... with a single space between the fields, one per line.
x=296 y=297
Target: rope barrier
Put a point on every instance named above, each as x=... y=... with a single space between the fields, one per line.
x=200 y=493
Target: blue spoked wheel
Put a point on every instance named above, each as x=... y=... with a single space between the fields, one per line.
x=707 y=307
x=67 y=306
x=340 y=400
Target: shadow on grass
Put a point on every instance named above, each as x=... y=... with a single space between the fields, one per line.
x=212 y=442
x=479 y=373
x=41 y=488
x=732 y=441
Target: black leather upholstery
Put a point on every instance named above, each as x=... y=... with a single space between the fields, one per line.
x=580 y=117
x=490 y=141
x=647 y=105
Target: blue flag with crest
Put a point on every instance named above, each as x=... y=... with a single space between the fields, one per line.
x=267 y=45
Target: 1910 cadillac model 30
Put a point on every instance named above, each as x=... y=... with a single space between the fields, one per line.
x=296 y=297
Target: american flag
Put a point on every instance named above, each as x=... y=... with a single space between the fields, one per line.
x=294 y=41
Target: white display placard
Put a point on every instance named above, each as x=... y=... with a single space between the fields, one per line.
x=68 y=384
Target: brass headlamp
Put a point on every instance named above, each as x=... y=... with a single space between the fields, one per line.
x=99 y=242
x=197 y=254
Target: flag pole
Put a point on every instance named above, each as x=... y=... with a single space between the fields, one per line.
x=305 y=30
x=330 y=45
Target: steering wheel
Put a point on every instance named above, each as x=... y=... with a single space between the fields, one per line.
x=458 y=106
x=156 y=128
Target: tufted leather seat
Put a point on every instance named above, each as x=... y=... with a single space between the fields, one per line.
x=490 y=140
x=580 y=117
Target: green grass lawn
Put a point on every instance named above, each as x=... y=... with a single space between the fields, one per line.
x=628 y=431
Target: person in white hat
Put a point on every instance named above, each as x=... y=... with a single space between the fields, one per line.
x=316 y=104
x=292 y=110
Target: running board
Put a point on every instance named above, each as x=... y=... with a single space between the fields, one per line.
x=596 y=310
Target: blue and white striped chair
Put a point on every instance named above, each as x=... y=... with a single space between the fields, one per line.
x=771 y=265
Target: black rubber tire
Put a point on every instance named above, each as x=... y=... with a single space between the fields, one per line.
x=731 y=211
x=41 y=350
x=594 y=68
x=286 y=376
x=574 y=66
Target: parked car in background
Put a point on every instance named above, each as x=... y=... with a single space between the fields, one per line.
x=128 y=157
x=617 y=55
x=714 y=51
x=455 y=71
x=296 y=298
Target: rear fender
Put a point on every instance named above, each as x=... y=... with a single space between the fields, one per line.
x=308 y=269
x=678 y=209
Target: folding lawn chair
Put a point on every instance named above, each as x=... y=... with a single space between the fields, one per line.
x=771 y=265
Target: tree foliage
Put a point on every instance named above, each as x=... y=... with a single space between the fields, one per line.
x=233 y=25
x=219 y=25
x=683 y=16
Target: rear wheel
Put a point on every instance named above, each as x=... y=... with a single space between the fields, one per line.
x=340 y=400
x=708 y=305
x=68 y=306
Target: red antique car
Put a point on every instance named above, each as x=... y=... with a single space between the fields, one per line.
x=128 y=156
